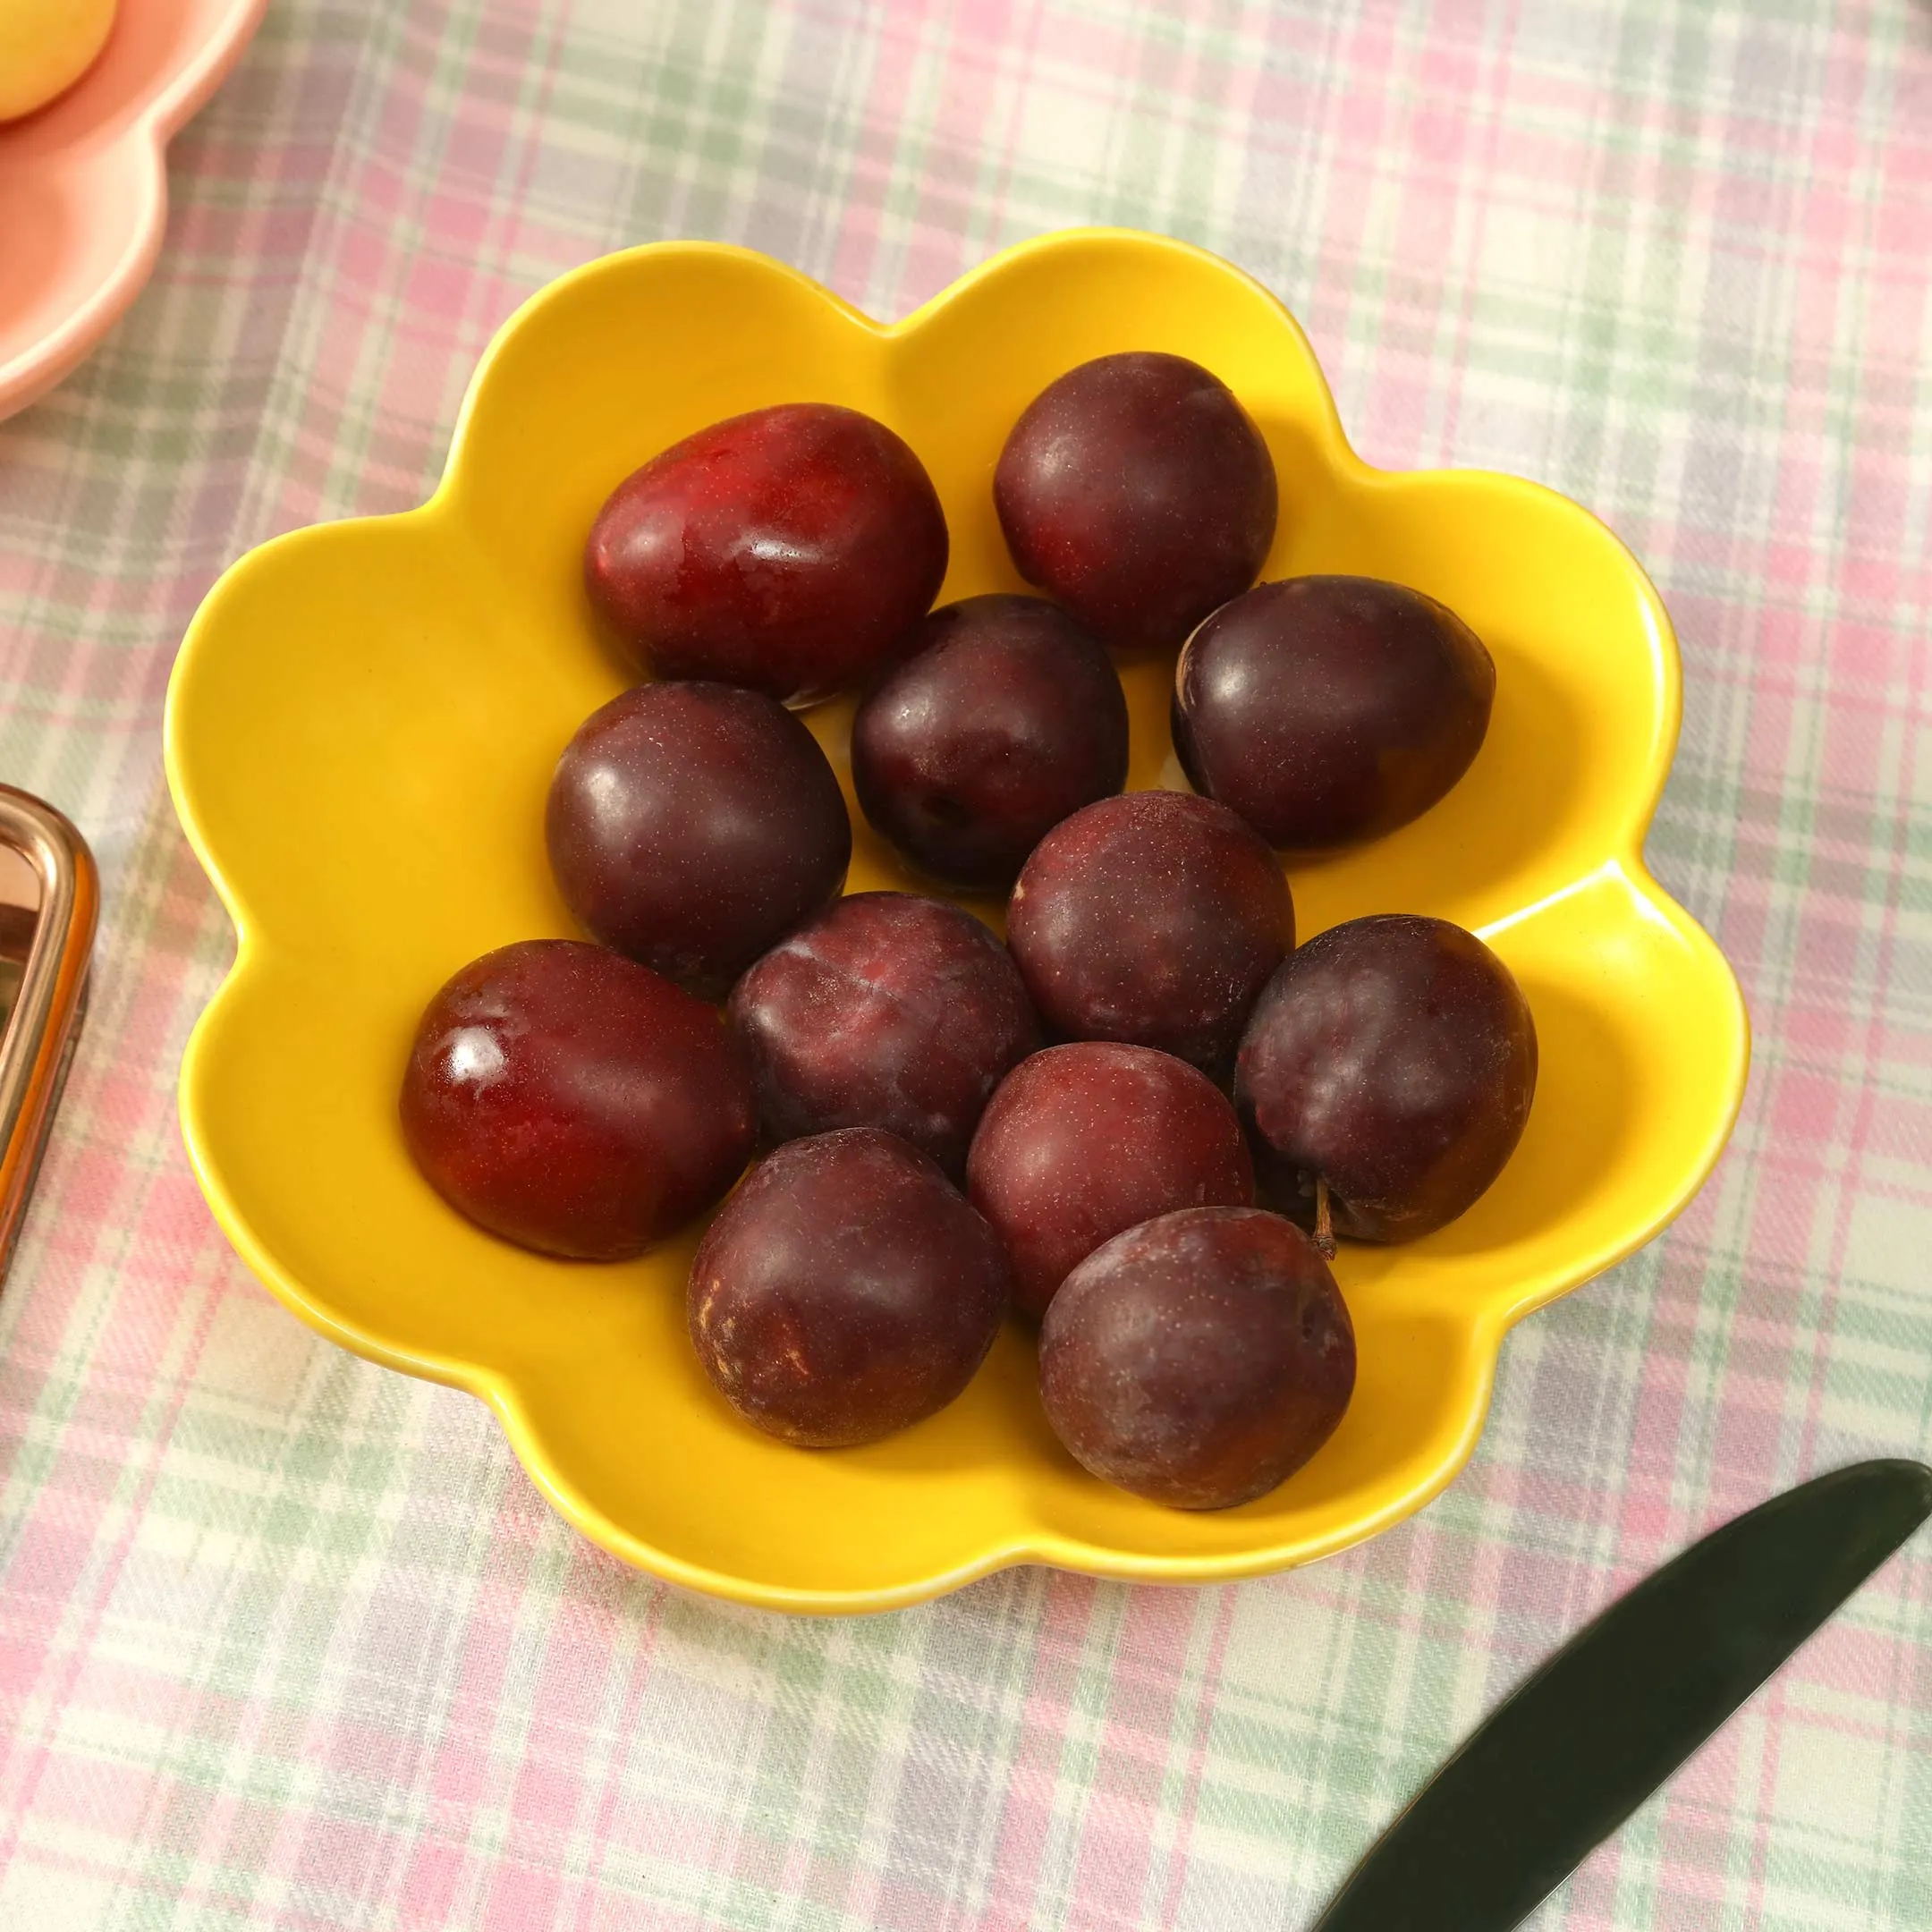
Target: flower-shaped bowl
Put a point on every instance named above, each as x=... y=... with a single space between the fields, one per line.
x=83 y=184
x=362 y=728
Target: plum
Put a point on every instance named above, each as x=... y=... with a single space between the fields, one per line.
x=884 y=1011
x=1083 y=1141
x=692 y=826
x=1198 y=1359
x=574 y=1102
x=1156 y=919
x=1384 y=1077
x=1003 y=718
x=845 y=1290
x=1137 y=491
x=787 y=550
x=1326 y=710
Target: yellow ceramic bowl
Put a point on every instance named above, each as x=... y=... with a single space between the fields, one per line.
x=360 y=730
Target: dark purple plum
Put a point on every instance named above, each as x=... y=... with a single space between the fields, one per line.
x=1385 y=1075
x=884 y=1011
x=845 y=1290
x=1156 y=919
x=1084 y=1142
x=574 y=1102
x=1198 y=1359
x=1006 y=717
x=1326 y=710
x=692 y=826
x=1139 y=492
x=787 y=550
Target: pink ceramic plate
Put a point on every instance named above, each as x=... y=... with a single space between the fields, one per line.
x=83 y=187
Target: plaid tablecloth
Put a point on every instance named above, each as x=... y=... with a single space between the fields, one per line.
x=289 y=1641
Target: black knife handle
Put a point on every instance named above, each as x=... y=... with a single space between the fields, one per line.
x=1573 y=1752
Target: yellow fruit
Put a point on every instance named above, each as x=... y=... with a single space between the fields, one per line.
x=46 y=46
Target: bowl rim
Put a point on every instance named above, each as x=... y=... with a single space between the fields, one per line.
x=178 y=93
x=1487 y=1328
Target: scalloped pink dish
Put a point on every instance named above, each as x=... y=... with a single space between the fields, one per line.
x=83 y=184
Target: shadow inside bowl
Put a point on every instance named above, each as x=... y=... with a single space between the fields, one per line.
x=1508 y=831
x=40 y=220
x=1416 y=1377
x=742 y=1504
x=1640 y=1056
x=1579 y=1134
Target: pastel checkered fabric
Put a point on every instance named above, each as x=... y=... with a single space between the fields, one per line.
x=290 y=1641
